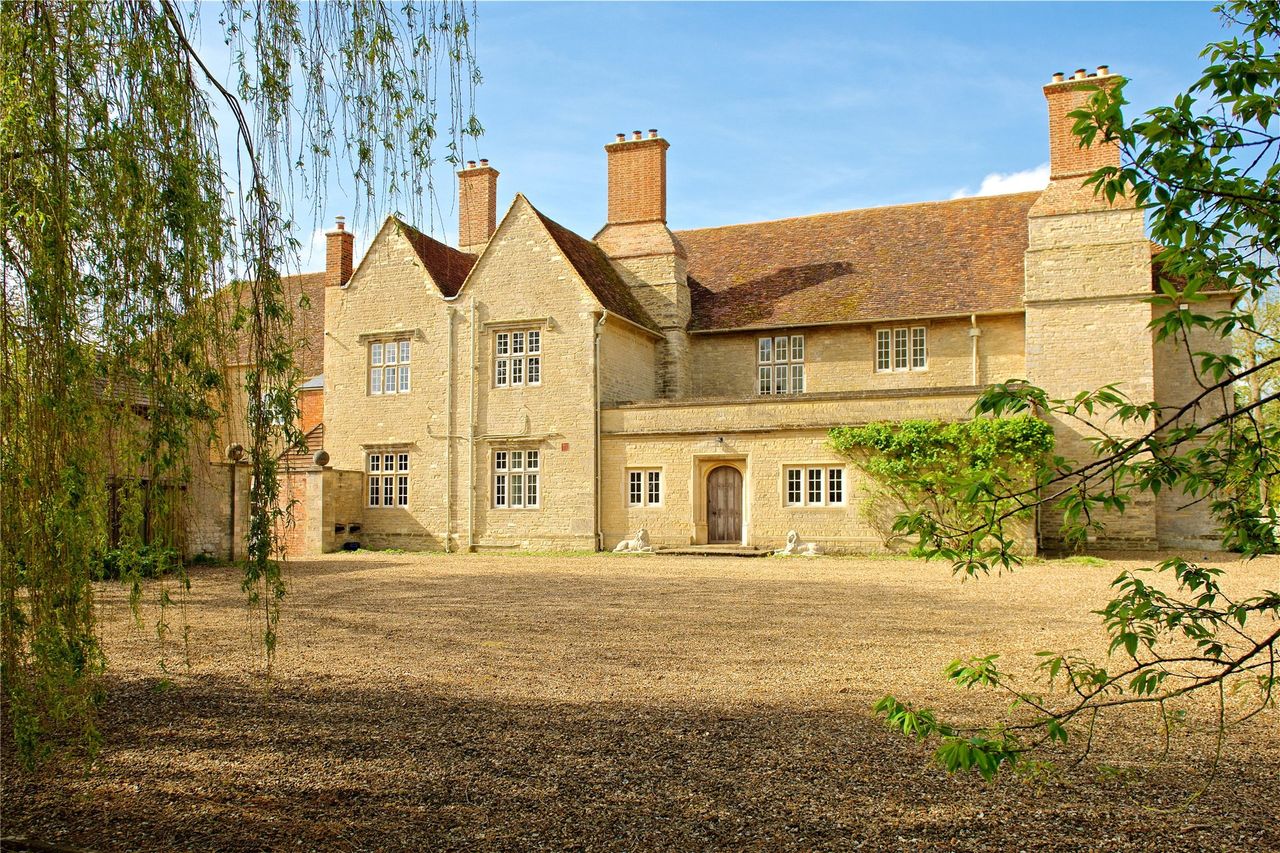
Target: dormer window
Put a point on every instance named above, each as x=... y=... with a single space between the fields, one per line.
x=780 y=365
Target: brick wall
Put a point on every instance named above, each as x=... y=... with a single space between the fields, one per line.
x=1066 y=157
x=477 y=206
x=311 y=408
x=638 y=180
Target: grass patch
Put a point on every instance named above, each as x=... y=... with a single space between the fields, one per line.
x=1084 y=560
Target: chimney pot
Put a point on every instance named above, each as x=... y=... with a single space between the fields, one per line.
x=484 y=164
x=471 y=164
x=635 y=134
x=1058 y=77
x=1080 y=75
x=653 y=133
x=622 y=137
x=1104 y=70
x=340 y=222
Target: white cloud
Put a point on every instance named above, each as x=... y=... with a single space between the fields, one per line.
x=1000 y=183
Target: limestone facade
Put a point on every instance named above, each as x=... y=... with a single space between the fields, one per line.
x=537 y=389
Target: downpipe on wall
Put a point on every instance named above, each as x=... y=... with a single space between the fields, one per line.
x=595 y=404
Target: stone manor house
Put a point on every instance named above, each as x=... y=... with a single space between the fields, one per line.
x=537 y=388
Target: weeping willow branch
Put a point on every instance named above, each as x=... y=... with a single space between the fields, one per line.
x=135 y=251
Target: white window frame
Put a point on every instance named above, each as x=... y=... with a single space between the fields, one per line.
x=517 y=478
x=389 y=364
x=901 y=349
x=517 y=357
x=800 y=484
x=647 y=479
x=780 y=365
x=386 y=473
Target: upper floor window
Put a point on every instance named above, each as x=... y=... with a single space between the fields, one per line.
x=901 y=349
x=644 y=487
x=515 y=479
x=517 y=358
x=388 y=479
x=780 y=364
x=389 y=367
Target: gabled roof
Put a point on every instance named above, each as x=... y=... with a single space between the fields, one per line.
x=916 y=260
x=599 y=275
x=447 y=266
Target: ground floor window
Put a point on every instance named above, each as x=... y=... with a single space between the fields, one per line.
x=644 y=487
x=388 y=478
x=515 y=479
x=813 y=486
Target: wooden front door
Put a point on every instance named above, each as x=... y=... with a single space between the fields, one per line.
x=724 y=505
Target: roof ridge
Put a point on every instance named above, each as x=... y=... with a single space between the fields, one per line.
x=968 y=198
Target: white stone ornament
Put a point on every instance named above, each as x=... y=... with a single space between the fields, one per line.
x=638 y=545
x=796 y=548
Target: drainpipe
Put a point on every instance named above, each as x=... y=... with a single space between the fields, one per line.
x=595 y=405
x=448 y=440
x=471 y=441
x=974 y=334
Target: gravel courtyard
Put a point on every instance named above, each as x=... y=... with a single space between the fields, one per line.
x=617 y=703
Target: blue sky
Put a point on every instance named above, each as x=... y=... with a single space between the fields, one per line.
x=776 y=110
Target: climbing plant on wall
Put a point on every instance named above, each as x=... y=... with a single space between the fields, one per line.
x=123 y=214
x=955 y=471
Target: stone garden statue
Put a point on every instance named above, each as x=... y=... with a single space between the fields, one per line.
x=638 y=545
x=796 y=548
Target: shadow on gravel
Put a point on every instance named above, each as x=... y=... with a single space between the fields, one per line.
x=217 y=764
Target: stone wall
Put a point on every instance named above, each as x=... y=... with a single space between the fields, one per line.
x=842 y=358
x=682 y=441
x=629 y=361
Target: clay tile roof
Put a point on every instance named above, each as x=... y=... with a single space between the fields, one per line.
x=447 y=266
x=308 y=321
x=598 y=274
x=916 y=260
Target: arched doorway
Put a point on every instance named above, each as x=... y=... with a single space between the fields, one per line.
x=724 y=505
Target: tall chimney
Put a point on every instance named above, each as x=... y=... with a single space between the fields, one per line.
x=477 y=205
x=339 y=248
x=1066 y=94
x=637 y=179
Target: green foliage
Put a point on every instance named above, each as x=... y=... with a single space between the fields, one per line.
x=146 y=562
x=1206 y=173
x=135 y=250
x=949 y=474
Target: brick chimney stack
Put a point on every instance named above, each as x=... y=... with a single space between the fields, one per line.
x=339 y=249
x=477 y=205
x=1066 y=94
x=637 y=178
